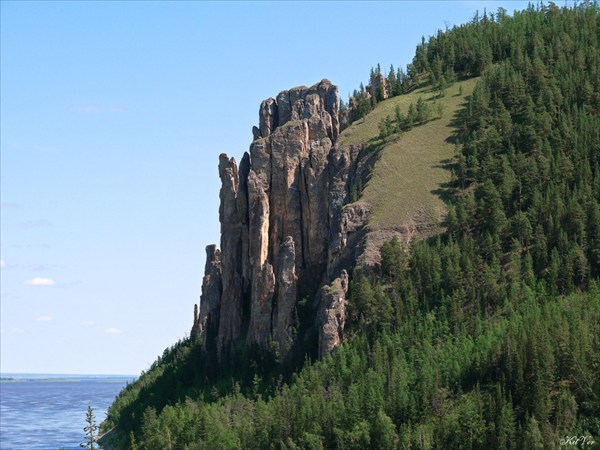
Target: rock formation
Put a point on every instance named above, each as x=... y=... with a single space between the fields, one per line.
x=206 y=322
x=332 y=314
x=284 y=231
x=378 y=81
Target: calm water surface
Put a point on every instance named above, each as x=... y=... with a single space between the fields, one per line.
x=48 y=411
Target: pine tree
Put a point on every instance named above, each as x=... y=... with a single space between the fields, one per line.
x=411 y=116
x=91 y=430
x=439 y=109
x=132 y=442
x=391 y=82
x=386 y=126
x=422 y=110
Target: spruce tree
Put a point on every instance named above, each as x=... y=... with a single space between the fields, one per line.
x=91 y=430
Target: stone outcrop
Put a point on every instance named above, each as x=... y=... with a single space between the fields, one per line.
x=332 y=314
x=286 y=294
x=230 y=321
x=284 y=228
x=378 y=82
x=196 y=326
x=206 y=321
x=349 y=235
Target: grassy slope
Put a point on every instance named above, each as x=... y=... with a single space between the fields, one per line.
x=403 y=192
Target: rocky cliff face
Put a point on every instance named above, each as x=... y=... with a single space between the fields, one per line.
x=285 y=229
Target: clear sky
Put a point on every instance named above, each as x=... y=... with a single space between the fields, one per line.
x=113 y=115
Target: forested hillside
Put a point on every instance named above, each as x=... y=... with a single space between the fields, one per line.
x=484 y=336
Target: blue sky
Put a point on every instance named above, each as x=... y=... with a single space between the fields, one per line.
x=113 y=115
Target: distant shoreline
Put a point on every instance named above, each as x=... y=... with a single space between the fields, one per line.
x=29 y=377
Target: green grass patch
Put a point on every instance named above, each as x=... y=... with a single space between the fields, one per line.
x=404 y=191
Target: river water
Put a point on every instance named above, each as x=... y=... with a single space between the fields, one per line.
x=48 y=411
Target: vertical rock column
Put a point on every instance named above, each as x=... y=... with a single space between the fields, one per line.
x=230 y=317
x=286 y=295
x=207 y=320
x=331 y=317
x=263 y=278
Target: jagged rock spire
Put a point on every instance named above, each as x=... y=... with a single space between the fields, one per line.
x=280 y=213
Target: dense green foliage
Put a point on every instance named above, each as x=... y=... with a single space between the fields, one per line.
x=420 y=380
x=487 y=336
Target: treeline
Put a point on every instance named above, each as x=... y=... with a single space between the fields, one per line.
x=487 y=336
x=466 y=51
x=380 y=87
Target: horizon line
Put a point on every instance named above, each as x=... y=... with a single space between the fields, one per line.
x=3 y=374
